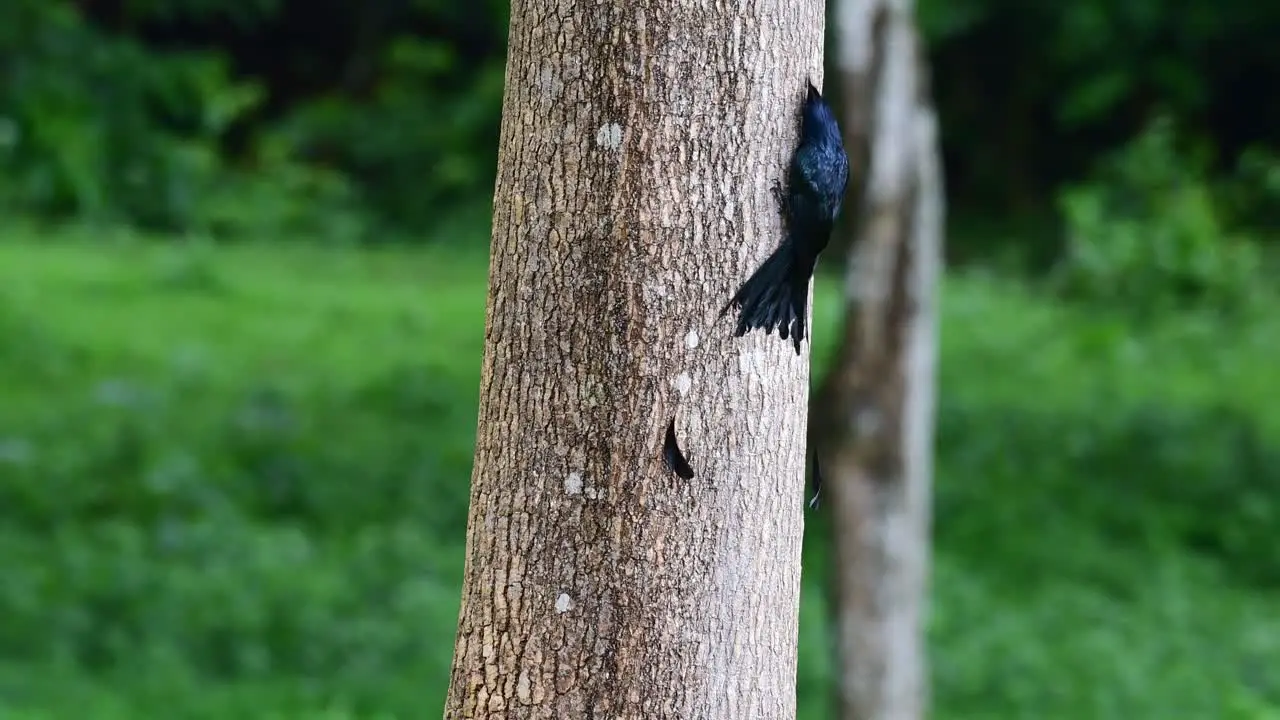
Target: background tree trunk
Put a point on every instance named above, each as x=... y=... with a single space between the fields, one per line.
x=639 y=140
x=878 y=401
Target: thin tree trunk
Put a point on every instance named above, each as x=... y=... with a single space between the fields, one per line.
x=880 y=403
x=639 y=140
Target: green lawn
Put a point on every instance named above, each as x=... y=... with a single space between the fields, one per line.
x=234 y=484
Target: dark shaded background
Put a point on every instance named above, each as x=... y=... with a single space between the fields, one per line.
x=138 y=110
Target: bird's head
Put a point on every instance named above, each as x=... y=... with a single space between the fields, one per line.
x=818 y=118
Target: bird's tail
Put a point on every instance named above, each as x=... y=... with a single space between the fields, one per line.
x=775 y=297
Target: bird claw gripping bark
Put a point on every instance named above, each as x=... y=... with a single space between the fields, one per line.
x=779 y=196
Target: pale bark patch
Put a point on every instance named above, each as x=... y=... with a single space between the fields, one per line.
x=682 y=383
x=609 y=136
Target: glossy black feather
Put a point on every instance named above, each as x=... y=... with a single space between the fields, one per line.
x=776 y=296
x=675 y=460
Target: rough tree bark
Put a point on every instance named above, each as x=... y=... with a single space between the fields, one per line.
x=639 y=140
x=878 y=402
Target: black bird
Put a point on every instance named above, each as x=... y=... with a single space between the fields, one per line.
x=671 y=453
x=777 y=295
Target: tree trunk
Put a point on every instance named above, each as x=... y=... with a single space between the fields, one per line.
x=879 y=398
x=638 y=144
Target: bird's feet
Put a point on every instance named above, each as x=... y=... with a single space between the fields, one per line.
x=780 y=196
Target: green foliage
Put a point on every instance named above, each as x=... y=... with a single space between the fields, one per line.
x=1031 y=93
x=365 y=120
x=410 y=151
x=1102 y=514
x=1252 y=194
x=234 y=489
x=79 y=138
x=1087 y=490
x=99 y=126
x=100 y=123
x=1146 y=236
x=179 y=513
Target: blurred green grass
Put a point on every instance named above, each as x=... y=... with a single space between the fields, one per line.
x=234 y=484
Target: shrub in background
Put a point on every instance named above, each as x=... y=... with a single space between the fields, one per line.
x=166 y=115
x=1146 y=236
x=381 y=116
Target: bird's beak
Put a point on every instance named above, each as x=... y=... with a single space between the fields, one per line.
x=813 y=92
